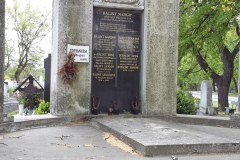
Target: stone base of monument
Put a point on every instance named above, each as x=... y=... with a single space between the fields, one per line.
x=202 y=111
x=8 y=119
x=154 y=137
x=4 y=118
x=207 y=111
x=235 y=117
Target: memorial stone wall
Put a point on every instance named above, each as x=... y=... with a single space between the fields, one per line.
x=132 y=53
x=2 y=50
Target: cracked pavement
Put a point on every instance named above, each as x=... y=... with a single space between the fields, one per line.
x=75 y=142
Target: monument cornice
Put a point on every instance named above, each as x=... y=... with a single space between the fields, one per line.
x=123 y=4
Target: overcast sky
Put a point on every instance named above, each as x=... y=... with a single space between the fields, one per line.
x=41 y=4
x=46 y=7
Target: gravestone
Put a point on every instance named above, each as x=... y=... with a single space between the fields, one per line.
x=6 y=95
x=205 y=106
x=128 y=50
x=47 y=67
x=236 y=115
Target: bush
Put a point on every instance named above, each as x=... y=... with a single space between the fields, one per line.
x=43 y=108
x=22 y=98
x=185 y=103
x=37 y=97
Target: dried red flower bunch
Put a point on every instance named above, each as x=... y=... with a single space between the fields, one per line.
x=68 y=72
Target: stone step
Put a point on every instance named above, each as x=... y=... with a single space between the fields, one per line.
x=155 y=137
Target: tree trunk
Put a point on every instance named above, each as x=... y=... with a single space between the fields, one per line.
x=17 y=75
x=19 y=71
x=223 y=89
x=224 y=82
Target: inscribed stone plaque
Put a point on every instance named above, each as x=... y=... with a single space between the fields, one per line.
x=116 y=57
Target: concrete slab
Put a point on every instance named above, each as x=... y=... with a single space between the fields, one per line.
x=202 y=120
x=19 y=118
x=79 y=141
x=68 y=142
x=156 y=137
x=36 y=121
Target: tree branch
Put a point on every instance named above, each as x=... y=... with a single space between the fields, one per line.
x=189 y=71
x=237 y=30
x=205 y=18
x=203 y=64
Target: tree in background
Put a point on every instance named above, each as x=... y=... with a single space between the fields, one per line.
x=31 y=27
x=210 y=37
x=9 y=51
x=38 y=72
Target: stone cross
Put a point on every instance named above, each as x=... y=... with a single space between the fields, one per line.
x=30 y=90
x=206 y=98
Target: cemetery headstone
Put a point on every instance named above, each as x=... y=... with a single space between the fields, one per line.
x=2 y=50
x=123 y=49
x=6 y=95
x=47 y=67
x=205 y=105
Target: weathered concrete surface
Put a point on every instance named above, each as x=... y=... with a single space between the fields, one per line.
x=36 y=121
x=155 y=137
x=82 y=142
x=73 y=142
x=162 y=52
x=2 y=51
x=33 y=121
x=71 y=25
x=10 y=105
x=203 y=120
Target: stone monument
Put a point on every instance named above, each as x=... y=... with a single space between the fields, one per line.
x=6 y=95
x=2 y=50
x=47 y=67
x=125 y=51
x=205 y=106
x=236 y=115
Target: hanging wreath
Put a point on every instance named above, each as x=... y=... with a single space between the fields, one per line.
x=68 y=72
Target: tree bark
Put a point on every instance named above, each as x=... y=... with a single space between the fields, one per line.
x=223 y=95
x=17 y=74
x=2 y=51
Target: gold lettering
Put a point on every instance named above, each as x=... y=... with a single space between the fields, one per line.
x=125 y=14
x=109 y=13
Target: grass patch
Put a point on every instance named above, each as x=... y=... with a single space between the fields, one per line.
x=233 y=94
x=11 y=114
x=221 y=113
